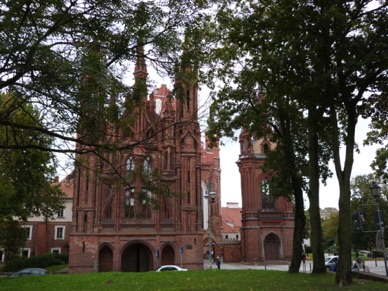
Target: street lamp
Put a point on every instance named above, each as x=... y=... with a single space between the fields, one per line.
x=211 y=199
x=375 y=191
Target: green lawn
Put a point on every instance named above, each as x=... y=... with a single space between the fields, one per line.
x=191 y=280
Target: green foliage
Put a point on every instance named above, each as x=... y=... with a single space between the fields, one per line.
x=191 y=280
x=71 y=59
x=41 y=261
x=377 y=254
x=362 y=200
x=324 y=58
x=379 y=135
x=26 y=170
x=12 y=237
x=330 y=228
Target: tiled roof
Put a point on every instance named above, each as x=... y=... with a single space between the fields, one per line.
x=231 y=219
x=67 y=186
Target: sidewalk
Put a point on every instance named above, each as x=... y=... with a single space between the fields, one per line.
x=376 y=267
x=278 y=266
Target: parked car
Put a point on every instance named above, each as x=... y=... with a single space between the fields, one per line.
x=170 y=268
x=331 y=262
x=30 y=272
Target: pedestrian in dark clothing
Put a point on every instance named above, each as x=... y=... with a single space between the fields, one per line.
x=218 y=263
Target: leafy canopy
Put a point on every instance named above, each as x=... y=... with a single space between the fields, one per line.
x=25 y=170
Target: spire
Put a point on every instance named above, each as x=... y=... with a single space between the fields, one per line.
x=141 y=67
x=140 y=73
x=186 y=84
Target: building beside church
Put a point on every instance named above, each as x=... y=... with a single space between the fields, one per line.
x=143 y=206
x=267 y=223
x=49 y=235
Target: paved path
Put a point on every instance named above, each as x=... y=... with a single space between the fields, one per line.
x=376 y=267
x=280 y=266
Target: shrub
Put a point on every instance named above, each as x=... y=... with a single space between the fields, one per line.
x=16 y=264
x=42 y=261
x=377 y=254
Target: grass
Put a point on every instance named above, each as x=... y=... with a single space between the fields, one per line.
x=55 y=268
x=192 y=280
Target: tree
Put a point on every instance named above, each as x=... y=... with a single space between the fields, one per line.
x=379 y=135
x=12 y=237
x=363 y=207
x=325 y=56
x=271 y=119
x=246 y=46
x=25 y=170
x=330 y=229
x=69 y=60
x=53 y=48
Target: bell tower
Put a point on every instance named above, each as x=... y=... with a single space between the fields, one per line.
x=267 y=223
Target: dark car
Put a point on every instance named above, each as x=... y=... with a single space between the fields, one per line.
x=170 y=268
x=331 y=262
x=30 y=272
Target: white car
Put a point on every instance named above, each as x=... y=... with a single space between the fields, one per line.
x=170 y=268
x=331 y=262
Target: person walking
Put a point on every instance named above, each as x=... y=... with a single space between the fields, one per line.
x=218 y=263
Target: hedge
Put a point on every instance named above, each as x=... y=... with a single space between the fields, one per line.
x=41 y=261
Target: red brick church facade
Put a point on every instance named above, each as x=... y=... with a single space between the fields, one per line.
x=119 y=222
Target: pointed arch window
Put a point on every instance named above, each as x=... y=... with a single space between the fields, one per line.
x=130 y=203
x=130 y=166
x=108 y=211
x=147 y=167
x=165 y=159
x=146 y=200
x=110 y=191
x=267 y=200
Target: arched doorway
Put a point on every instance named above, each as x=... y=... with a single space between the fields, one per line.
x=105 y=259
x=168 y=256
x=272 y=247
x=136 y=258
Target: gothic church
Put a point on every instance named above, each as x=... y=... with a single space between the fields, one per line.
x=122 y=221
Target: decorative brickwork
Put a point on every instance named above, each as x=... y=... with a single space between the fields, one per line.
x=120 y=222
x=267 y=224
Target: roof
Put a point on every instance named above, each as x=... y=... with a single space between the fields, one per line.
x=231 y=218
x=67 y=186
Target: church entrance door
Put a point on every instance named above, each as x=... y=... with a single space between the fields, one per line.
x=136 y=258
x=272 y=247
x=168 y=256
x=105 y=260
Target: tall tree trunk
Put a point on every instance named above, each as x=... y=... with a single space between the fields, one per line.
x=299 y=225
x=344 y=274
x=292 y=174
x=313 y=194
